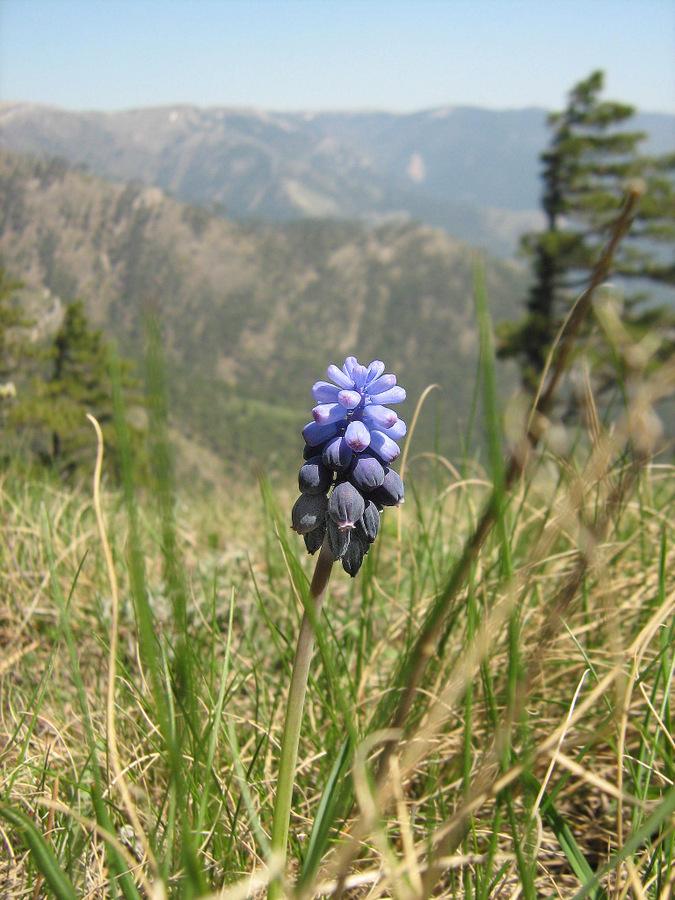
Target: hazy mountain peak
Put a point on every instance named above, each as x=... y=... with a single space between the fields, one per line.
x=442 y=112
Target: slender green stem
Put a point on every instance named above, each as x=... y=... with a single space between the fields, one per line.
x=296 y=701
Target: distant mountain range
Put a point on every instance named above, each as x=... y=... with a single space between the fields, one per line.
x=473 y=172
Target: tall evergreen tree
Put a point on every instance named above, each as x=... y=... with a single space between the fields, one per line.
x=79 y=381
x=589 y=162
x=76 y=382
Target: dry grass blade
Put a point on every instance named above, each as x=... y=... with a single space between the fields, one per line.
x=120 y=780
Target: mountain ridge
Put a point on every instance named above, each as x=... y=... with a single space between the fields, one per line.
x=471 y=171
x=252 y=313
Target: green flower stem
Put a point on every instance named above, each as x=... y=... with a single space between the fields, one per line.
x=296 y=701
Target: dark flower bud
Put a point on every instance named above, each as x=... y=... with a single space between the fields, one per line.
x=369 y=524
x=309 y=512
x=338 y=540
x=316 y=434
x=337 y=454
x=309 y=451
x=314 y=477
x=366 y=472
x=314 y=539
x=390 y=492
x=353 y=557
x=346 y=505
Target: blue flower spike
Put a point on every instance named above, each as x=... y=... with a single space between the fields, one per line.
x=350 y=444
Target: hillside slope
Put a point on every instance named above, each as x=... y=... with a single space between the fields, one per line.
x=252 y=314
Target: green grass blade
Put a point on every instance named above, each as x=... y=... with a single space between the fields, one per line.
x=153 y=653
x=663 y=814
x=568 y=844
x=492 y=415
x=217 y=716
x=123 y=876
x=489 y=380
x=117 y=864
x=245 y=791
x=41 y=852
x=31 y=714
x=137 y=577
x=325 y=814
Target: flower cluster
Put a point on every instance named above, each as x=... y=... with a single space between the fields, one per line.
x=347 y=480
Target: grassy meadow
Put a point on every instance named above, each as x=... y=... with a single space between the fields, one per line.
x=489 y=712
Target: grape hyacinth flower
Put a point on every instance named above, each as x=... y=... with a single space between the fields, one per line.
x=345 y=483
x=347 y=478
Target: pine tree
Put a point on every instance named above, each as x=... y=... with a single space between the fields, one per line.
x=79 y=382
x=76 y=382
x=648 y=253
x=590 y=160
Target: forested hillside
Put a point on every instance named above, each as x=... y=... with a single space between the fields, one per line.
x=251 y=313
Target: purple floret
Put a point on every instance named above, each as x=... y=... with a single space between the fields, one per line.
x=355 y=404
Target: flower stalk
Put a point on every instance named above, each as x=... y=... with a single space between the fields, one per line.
x=293 y=723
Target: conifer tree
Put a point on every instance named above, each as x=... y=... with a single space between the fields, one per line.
x=76 y=382
x=590 y=160
x=79 y=381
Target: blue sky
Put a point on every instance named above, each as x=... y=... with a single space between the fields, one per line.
x=397 y=55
